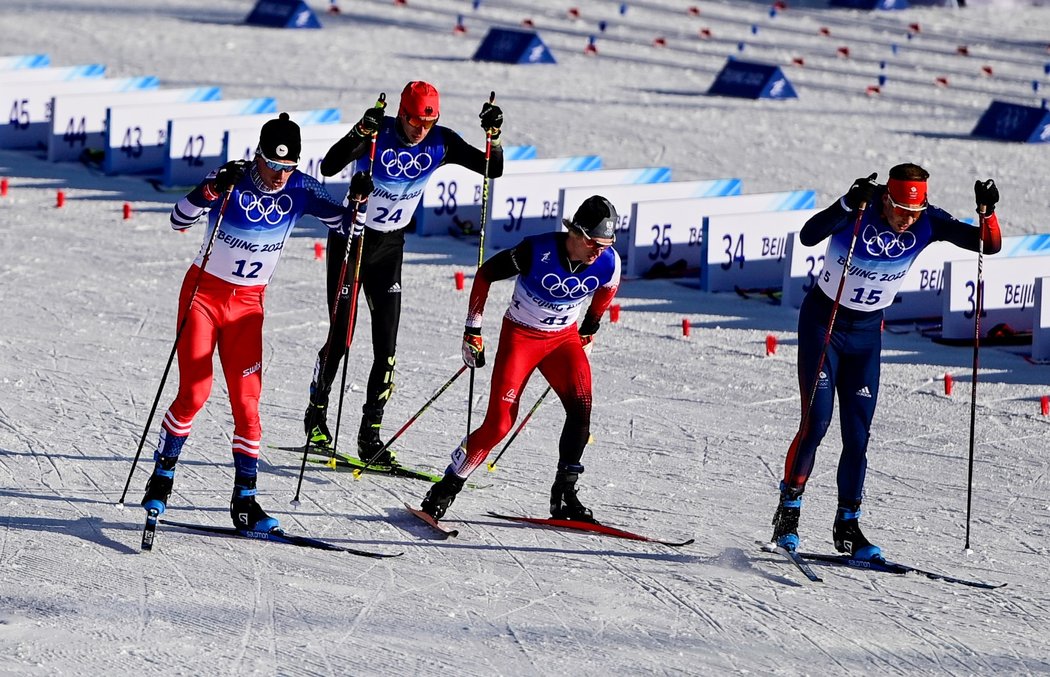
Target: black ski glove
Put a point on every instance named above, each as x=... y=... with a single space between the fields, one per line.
x=361 y=186
x=986 y=194
x=370 y=123
x=491 y=119
x=861 y=192
x=229 y=175
x=588 y=328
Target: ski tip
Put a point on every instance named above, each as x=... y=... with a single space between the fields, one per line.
x=446 y=532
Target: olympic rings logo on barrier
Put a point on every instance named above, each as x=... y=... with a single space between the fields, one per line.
x=569 y=287
x=891 y=245
x=265 y=207
x=404 y=163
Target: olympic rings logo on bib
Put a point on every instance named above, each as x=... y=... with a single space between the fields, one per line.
x=265 y=207
x=404 y=163
x=891 y=245
x=569 y=287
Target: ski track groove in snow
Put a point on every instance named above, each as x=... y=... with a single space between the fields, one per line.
x=560 y=606
x=655 y=588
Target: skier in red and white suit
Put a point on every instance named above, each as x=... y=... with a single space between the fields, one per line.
x=266 y=198
x=557 y=273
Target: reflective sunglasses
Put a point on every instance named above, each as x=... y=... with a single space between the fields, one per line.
x=420 y=122
x=279 y=166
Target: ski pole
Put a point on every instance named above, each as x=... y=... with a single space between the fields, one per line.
x=380 y=103
x=804 y=424
x=175 y=343
x=352 y=320
x=492 y=466
x=978 y=306
x=357 y=471
x=481 y=258
x=470 y=410
x=485 y=190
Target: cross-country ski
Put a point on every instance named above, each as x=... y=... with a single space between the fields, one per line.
x=590 y=527
x=437 y=526
x=886 y=566
x=277 y=536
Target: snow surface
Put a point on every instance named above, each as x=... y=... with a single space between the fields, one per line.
x=689 y=434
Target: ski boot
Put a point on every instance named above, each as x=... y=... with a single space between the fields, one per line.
x=785 y=520
x=369 y=445
x=158 y=487
x=247 y=515
x=848 y=536
x=442 y=494
x=564 y=503
x=315 y=421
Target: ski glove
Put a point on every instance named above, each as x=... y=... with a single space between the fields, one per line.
x=861 y=192
x=229 y=175
x=987 y=195
x=491 y=119
x=370 y=122
x=588 y=328
x=473 y=347
x=361 y=186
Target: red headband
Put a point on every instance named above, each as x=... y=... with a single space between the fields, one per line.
x=907 y=194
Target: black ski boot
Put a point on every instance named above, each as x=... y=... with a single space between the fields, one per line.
x=315 y=421
x=785 y=520
x=442 y=494
x=848 y=536
x=247 y=515
x=369 y=446
x=158 y=487
x=564 y=503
